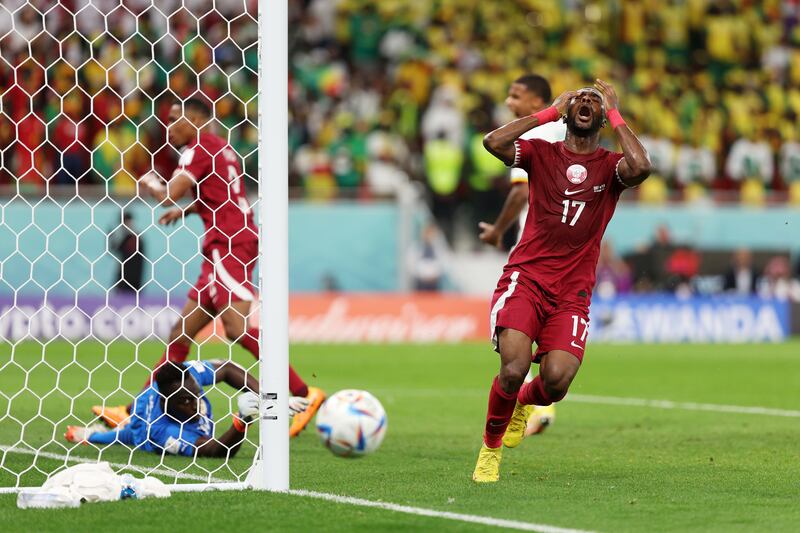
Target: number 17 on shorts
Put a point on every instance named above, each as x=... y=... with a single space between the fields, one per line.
x=565 y=330
x=579 y=325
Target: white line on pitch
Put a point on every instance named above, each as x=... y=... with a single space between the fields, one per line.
x=618 y=400
x=475 y=519
x=419 y=511
x=688 y=406
x=136 y=468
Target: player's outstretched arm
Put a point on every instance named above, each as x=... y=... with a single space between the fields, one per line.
x=226 y=446
x=500 y=142
x=235 y=376
x=517 y=199
x=635 y=166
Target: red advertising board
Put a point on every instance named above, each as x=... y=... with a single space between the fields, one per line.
x=387 y=318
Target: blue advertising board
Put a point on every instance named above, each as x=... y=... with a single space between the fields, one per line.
x=666 y=318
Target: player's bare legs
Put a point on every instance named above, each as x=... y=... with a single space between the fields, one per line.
x=515 y=360
x=234 y=320
x=556 y=372
x=192 y=320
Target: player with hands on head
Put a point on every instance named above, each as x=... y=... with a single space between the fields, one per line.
x=544 y=293
x=209 y=172
x=528 y=94
x=174 y=416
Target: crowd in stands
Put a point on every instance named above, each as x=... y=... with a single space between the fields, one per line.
x=390 y=91
x=383 y=93
x=86 y=85
x=680 y=268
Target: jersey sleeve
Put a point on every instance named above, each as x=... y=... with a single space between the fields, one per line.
x=528 y=152
x=174 y=439
x=203 y=372
x=194 y=162
x=523 y=151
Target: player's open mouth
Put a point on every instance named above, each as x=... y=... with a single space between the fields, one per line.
x=583 y=117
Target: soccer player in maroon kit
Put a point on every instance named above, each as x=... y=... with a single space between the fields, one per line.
x=210 y=171
x=544 y=293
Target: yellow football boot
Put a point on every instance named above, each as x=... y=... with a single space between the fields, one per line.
x=515 y=431
x=487 y=470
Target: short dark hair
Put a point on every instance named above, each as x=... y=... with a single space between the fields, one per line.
x=195 y=104
x=169 y=377
x=537 y=85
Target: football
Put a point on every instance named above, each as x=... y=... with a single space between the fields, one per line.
x=351 y=423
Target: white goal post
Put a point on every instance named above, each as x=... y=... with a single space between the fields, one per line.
x=273 y=146
x=69 y=337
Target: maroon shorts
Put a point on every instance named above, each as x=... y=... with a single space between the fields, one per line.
x=521 y=306
x=226 y=275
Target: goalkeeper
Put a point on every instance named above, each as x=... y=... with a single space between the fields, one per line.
x=173 y=415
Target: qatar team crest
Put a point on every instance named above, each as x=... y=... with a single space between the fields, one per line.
x=576 y=174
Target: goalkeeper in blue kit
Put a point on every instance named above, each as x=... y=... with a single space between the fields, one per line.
x=174 y=416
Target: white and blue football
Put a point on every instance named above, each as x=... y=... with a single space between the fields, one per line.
x=351 y=423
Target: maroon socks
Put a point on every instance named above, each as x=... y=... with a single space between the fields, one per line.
x=249 y=342
x=501 y=407
x=533 y=393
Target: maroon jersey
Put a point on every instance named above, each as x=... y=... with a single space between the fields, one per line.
x=571 y=202
x=222 y=204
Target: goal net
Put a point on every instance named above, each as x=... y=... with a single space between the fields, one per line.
x=92 y=280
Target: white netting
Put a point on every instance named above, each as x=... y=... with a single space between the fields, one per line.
x=91 y=284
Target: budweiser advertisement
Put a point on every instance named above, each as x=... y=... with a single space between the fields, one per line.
x=387 y=318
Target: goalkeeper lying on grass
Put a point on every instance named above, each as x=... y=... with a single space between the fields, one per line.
x=174 y=416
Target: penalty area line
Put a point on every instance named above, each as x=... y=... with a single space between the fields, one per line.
x=687 y=406
x=420 y=511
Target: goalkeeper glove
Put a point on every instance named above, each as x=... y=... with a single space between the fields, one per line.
x=248 y=411
x=248 y=406
x=297 y=404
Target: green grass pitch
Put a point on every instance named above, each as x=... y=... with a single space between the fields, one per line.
x=600 y=467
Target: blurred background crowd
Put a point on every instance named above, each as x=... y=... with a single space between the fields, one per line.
x=382 y=93
x=391 y=91
x=668 y=265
